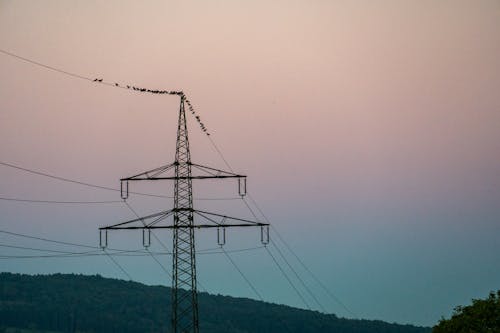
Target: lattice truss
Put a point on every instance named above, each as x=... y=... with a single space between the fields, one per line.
x=183 y=219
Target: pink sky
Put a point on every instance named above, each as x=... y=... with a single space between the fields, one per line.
x=369 y=130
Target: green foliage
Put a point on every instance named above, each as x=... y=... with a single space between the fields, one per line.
x=483 y=316
x=92 y=304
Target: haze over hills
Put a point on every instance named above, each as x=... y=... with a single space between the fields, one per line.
x=79 y=303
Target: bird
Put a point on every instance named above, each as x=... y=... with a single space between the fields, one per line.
x=99 y=80
x=116 y=84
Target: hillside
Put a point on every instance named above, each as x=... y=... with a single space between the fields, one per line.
x=93 y=304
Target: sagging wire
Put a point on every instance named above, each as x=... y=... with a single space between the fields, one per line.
x=115 y=85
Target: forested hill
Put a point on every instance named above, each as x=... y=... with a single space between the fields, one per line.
x=93 y=304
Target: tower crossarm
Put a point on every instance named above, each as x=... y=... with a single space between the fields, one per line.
x=151 y=174
x=214 y=220
x=145 y=221
x=204 y=172
x=198 y=171
x=223 y=218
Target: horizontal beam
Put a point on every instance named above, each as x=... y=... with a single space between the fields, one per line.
x=173 y=178
x=198 y=226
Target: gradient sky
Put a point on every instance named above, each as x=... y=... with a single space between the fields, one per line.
x=370 y=132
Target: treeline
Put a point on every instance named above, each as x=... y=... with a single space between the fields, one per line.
x=482 y=316
x=92 y=304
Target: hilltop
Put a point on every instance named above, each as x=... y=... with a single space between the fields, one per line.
x=92 y=304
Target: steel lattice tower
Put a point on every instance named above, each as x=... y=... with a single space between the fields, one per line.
x=184 y=286
x=184 y=296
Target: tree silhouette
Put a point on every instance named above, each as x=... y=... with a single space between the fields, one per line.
x=483 y=316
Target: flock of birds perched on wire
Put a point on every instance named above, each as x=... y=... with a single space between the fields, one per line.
x=117 y=85
x=166 y=92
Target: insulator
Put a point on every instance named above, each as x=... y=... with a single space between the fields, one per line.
x=264 y=234
x=221 y=236
x=242 y=185
x=146 y=237
x=103 y=238
x=124 y=189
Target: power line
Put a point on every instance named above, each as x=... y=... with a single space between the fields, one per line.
x=203 y=251
x=159 y=263
x=321 y=284
x=56 y=241
x=327 y=290
x=298 y=277
x=162 y=244
x=45 y=66
x=39 y=173
x=137 y=215
x=113 y=84
x=318 y=281
x=267 y=220
x=242 y=274
x=107 y=188
x=96 y=80
x=117 y=264
x=59 y=201
x=67 y=243
x=285 y=325
x=288 y=279
x=75 y=181
x=44 y=250
x=122 y=253
x=47 y=240
x=220 y=154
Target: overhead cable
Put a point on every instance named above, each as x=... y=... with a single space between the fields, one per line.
x=114 y=84
x=288 y=279
x=75 y=181
x=289 y=248
x=122 y=253
x=60 y=202
x=298 y=277
x=242 y=275
x=44 y=174
x=118 y=265
x=47 y=240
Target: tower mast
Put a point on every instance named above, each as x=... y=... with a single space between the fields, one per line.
x=184 y=296
x=184 y=288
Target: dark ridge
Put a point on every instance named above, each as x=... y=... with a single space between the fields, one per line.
x=92 y=304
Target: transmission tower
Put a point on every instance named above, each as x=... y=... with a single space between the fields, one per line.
x=181 y=219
